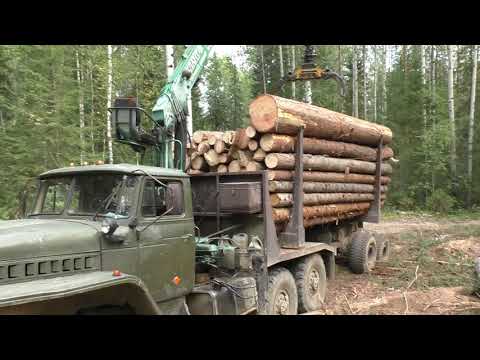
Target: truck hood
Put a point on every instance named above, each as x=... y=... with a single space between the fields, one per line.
x=31 y=238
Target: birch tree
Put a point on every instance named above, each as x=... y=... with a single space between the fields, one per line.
x=451 y=110
x=81 y=107
x=365 y=104
x=471 y=124
x=354 y=82
x=375 y=67
x=109 y=103
x=384 y=83
x=424 y=83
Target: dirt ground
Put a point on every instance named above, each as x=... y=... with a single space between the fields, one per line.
x=430 y=271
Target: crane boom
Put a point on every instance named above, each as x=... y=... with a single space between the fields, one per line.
x=168 y=138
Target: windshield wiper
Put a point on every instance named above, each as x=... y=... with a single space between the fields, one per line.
x=108 y=200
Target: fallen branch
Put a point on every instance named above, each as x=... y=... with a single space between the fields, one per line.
x=406 y=303
x=429 y=305
x=415 y=279
x=349 y=307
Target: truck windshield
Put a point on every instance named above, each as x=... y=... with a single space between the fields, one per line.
x=110 y=195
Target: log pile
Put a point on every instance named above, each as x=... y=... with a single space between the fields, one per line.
x=340 y=154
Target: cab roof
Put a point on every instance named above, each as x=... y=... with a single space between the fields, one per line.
x=115 y=168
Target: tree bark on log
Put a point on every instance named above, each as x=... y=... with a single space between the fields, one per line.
x=286 y=144
x=272 y=114
x=286 y=199
x=319 y=187
x=286 y=175
x=330 y=219
x=212 y=138
x=240 y=140
x=309 y=212
x=282 y=161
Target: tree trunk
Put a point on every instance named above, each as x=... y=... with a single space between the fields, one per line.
x=263 y=70
x=322 y=187
x=92 y=107
x=222 y=168
x=81 y=108
x=319 y=162
x=280 y=55
x=340 y=72
x=309 y=212
x=279 y=200
x=292 y=69
x=433 y=90
x=331 y=219
x=365 y=77
x=228 y=136
x=424 y=82
x=471 y=124
x=109 y=103
x=354 y=83
x=213 y=137
x=375 y=80
x=329 y=177
x=451 y=111
x=286 y=143
x=203 y=147
x=270 y=113
x=384 y=83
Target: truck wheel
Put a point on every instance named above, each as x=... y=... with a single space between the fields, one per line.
x=282 y=298
x=363 y=252
x=383 y=247
x=311 y=279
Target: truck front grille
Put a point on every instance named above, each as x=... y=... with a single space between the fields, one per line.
x=42 y=267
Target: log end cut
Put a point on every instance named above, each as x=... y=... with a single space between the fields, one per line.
x=264 y=113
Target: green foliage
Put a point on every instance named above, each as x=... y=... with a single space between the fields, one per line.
x=440 y=201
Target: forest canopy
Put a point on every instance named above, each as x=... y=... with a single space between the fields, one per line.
x=54 y=101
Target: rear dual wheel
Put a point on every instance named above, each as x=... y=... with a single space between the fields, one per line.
x=363 y=251
x=282 y=293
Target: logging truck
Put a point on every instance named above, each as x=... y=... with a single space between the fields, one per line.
x=152 y=239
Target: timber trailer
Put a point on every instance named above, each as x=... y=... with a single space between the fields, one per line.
x=138 y=239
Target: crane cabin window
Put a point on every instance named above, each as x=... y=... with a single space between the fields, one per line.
x=160 y=200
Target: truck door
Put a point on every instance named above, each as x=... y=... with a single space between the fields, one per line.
x=167 y=245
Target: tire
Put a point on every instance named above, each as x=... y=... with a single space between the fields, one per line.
x=383 y=247
x=363 y=252
x=311 y=280
x=282 y=297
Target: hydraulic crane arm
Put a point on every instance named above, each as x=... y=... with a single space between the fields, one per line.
x=310 y=71
x=168 y=138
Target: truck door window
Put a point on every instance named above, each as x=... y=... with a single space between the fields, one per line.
x=158 y=199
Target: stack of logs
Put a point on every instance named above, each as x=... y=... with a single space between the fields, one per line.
x=340 y=154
